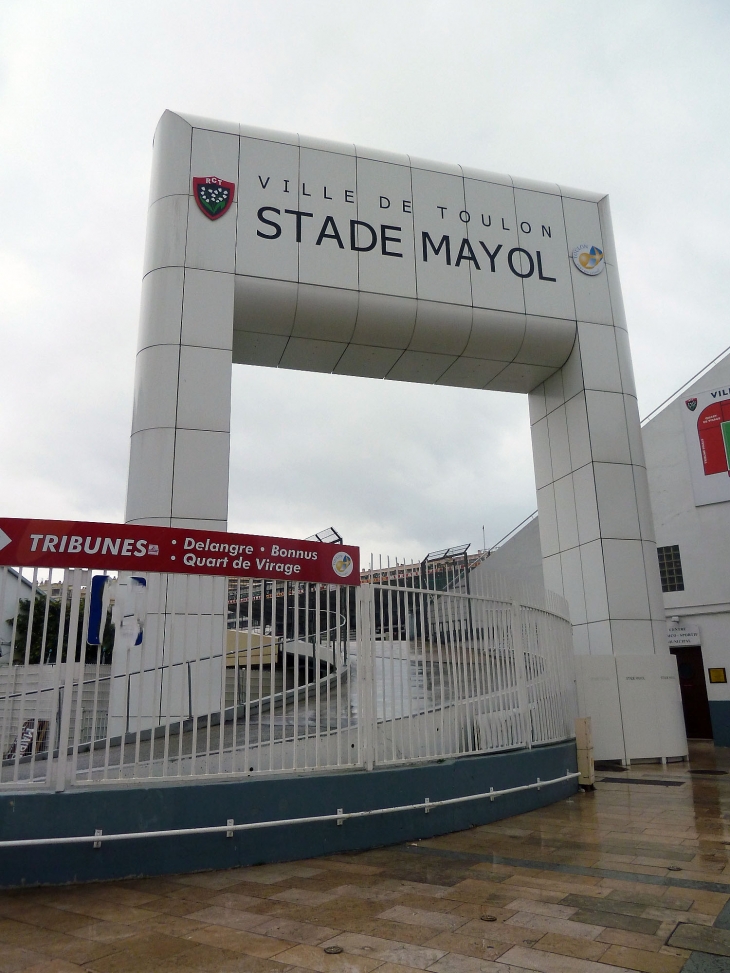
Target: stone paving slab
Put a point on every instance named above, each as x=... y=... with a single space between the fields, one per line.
x=577 y=887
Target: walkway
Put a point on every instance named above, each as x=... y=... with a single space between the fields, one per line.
x=633 y=877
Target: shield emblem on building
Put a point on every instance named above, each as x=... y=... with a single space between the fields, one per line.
x=691 y=404
x=214 y=196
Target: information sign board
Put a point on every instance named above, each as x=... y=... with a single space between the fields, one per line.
x=172 y=550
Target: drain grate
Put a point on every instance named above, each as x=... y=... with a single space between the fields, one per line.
x=714 y=773
x=640 y=780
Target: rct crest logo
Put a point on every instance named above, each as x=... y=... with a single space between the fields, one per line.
x=691 y=404
x=342 y=564
x=214 y=196
x=588 y=259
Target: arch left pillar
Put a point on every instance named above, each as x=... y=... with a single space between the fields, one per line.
x=180 y=441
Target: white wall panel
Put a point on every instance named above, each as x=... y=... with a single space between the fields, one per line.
x=554 y=391
x=579 y=435
x=617 y=302
x=583 y=226
x=674 y=738
x=572 y=373
x=598 y=698
x=438 y=280
x=210 y=244
x=264 y=306
x=656 y=602
x=197 y=523
x=581 y=645
x=214 y=154
x=633 y=426
x=204 y=391
x=547 y=341
x=549 y=539
x=607 y=424
x=586 y=507
x=544 y=297
x=150 y=482
x=618 y=514
x=541 y=453
x=628 y=383
x=268 y=177
x=208 y=309
x=385 y=199
x=639 y=705
x=643 y=504
x=536 y=404
x=625 y=579
x=559 y=447
x=211 y=124
x=155 y=387
x=441 y=328
x=200 y=477
x=632 y=636
x=553 y=572
x=573 y=585
x=566 y=513
x=312 y=354
x=599 y=636
x=492 y=226
x=471 y=373
x=384 y=321
x=382 y=155
x=600 y=356
x=161 y=308
x=327 y=315
x=327 y=177
x=167 y=227
x=267 y=135
x=367 y=361
x=418 y=366
x=258 y=349
x=594 y=582
x=517 y=377
x=495 y=335
x=171 y=157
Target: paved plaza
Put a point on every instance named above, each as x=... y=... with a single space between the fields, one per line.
x=635 y=876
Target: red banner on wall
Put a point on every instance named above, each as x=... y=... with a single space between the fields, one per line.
x=172 y=550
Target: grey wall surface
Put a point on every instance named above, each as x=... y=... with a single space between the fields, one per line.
x=519 y=559
x=703 y=536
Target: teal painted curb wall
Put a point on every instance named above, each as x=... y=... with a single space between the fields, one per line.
x=720 y=717
x=164 y=806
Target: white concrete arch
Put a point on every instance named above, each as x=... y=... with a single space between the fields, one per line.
x=336 y=258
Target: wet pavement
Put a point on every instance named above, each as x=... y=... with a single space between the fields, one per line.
x=634 y=876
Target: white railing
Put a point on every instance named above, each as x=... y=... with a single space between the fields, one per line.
x=153 y=677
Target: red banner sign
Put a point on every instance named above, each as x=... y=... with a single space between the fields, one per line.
x=131 y=547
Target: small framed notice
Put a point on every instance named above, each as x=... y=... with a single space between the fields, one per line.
x=717 y=675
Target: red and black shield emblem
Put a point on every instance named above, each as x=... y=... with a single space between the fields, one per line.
x=691 y=404
x=214 y=196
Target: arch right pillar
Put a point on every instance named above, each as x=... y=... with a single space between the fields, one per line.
x=597 y=531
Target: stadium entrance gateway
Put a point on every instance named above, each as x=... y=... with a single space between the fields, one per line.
x=265 y=248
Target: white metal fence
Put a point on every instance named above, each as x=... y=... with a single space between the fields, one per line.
x=163 y=677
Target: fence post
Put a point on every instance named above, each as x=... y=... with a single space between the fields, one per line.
x=365 y=663
x=520 y=673
x=68 y=684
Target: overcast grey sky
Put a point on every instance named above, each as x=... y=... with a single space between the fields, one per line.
x=627 y=97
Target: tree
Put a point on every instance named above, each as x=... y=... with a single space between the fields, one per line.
x=39 y=653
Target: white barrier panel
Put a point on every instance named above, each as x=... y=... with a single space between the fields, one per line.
x=645 y=689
